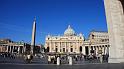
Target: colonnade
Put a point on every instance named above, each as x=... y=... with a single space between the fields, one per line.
x=12 y=49
x=64 y=46
x=104 y=49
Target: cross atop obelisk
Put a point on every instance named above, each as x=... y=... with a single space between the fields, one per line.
x=33 y=36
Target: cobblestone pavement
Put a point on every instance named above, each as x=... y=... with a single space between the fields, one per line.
x=38 y=63
x=46 y=66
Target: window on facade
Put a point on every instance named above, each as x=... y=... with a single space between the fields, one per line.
x=92 y=36
x=106 y=45
x=106 y=40
x=48 y=38
x=60 y=50
x=71 y=49
x=56 y=49
x=63 y=49
x=102 y=40
x=80 y=48
x=66 y=50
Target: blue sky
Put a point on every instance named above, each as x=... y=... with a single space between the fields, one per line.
x=52 y=17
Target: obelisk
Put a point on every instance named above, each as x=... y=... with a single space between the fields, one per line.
x=33 y=36
x=115 y=22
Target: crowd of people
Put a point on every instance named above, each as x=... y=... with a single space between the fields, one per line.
x=90 y=58
x=8 y=55
x=64 y=59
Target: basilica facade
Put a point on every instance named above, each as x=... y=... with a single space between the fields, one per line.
x=70 y=42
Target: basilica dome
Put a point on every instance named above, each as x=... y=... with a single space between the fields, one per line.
x=69 y=31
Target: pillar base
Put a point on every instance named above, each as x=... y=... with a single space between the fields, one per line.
x=116 y=60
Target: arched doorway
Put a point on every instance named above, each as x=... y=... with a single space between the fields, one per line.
x=80 y=48
x=86 y=50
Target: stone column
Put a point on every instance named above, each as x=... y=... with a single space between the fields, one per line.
x=96 y=50
x=93 y=48
x=103 y=49
x=10 y=49
x=54 y=47
x=77 y=47
x=14 y=48
x=18 y=49
x=69 y=47
x=59 y=47
x=7 y=48
x=73 y=47
x=99 y=50
x=50 y=46
x=83 y=50
x=22 y=49
x=89 y=48
x=65 y=46
x=107 y=49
